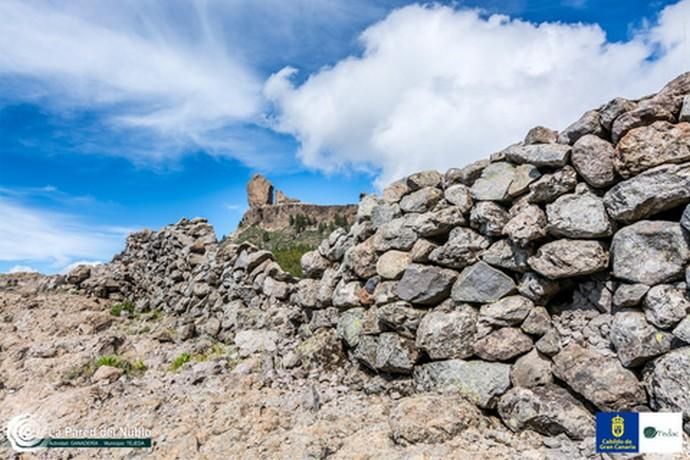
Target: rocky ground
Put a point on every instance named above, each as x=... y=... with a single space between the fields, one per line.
x=220 y=404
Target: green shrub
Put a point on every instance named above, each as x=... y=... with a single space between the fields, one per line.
x=136 y=367
x=289 y=258
x=180 y=360
x=118 y=308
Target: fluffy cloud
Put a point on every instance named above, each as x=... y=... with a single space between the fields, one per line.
x=437 y=87
x=29 y=234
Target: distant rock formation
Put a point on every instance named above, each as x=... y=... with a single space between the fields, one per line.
x=259 y=191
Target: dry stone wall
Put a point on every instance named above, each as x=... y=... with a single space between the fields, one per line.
x=545 y=283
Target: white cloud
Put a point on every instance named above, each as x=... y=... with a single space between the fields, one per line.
x=437 y=87
x=22 y=269
x=28 y=234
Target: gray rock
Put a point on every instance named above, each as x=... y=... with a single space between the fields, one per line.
x=568 y=258
x=466 y=175
x=589 y=123
x=509 y=311
x=662 y=246
x=395 y=354
x=449 y=334
x=629 y=295
x=551 y=155
x=537 y=288
x=537 y=322
x=600 y=379
x=541 y=135
x=336 y=245
x=682 y=331
x=361 y=259
x=550 y=186
x=385 y=292
x=392 y=264
x=459 y=195
x=494 y=182
x=651 y=192
x=636 y=341
x=384 y=213
x=594 y=293
x=424 y=179
x=666 y=380
x=422 y=200
x=523 y=176
x=644 y=114
x=528 y=224
x=592 y=157
x=685 y=218
x=665 y=305
x=481 y=283
x=346 y=294
x=365 y=352
x=254 y=341
x=349 y=326
x=549 y=343
x=613 y=109
x=684 y=115
x=425 y=285
x=395 y=234
x=395 y=191
x=431 y=419
x=421 y=250
x=464 y=246
x=548 y=410
x=488 y=218
x=435 y=223
x=366 y=205
x=531 y=370
x=503 y=344
x=578 y=215
x=504 y=254
x=480 y=382
x=249 y=261
x=649 y=146
x=314 y=264
x=400 y=317
x=277 y=289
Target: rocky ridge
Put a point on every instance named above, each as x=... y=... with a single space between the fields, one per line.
x=541 y=285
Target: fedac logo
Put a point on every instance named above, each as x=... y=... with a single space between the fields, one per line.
x=644 y=432
x=618 y=432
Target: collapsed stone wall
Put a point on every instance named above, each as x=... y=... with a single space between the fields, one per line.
x=545 y=283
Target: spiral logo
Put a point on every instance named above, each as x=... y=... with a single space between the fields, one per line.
x=25 y=433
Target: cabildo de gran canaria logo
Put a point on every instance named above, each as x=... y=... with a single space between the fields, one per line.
x=645 y=432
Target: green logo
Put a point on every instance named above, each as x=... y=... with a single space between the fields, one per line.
x=649 y=432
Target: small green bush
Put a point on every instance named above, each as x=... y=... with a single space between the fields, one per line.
x=118 y=308
x=136 y=367
x=180 y=361
x=289 y=258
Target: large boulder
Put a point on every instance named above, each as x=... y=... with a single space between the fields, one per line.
x=598 y=378
x=481 y=283
x=478 y=381
x=494 y=182
x=448 y=334
x=636 y=341
x=663 y=246
x=422 y=200
x=666 y=305
x=578 y=215
x=666 y=380
x=425 y=284
x=464 y=246
x=549 y=410
x=552 y=155
x=259 y=191
x=648 y=193
x=648 y=146
x=568 y=258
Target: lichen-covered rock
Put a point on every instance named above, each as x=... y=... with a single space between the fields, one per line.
x=537 y=322
x=600 y=379
x=592 y=157
x=549 y=410
x=314 y=264
x=448 y=334
x=347 y=294
x=531 y=370
x=465 y=175
x=503 y=344
x=662 y=246
x=527 y=225
x=552 y=155
x=478 y=381
x=537 y=288
x=666 y=305
x=395 y=234
x=505 y=254
x=578 y=215
x=400 y=317
x=424 y=179
x=648 y=193
x=666 y=380
x=636 y=341
x=425 y=285
x=550 y=186
x=568 y=258
x=392 y=264
x=649 y=146
x=541 y=135
x=481 y=283
x=613 y=109
x=349 y=326
x=488 y=218
x=422 y=200
x=494 y=182
x=459 y=195
x=589 y=123
x=682 y=330
x=435 y=223
x=361 y=259
x=508 y=311
x=629 y=295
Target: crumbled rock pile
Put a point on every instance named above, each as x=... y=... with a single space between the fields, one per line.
x=545 y=283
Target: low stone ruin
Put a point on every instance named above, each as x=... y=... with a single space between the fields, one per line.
x=545 y=283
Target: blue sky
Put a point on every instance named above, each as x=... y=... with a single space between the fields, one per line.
x=115 y=116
